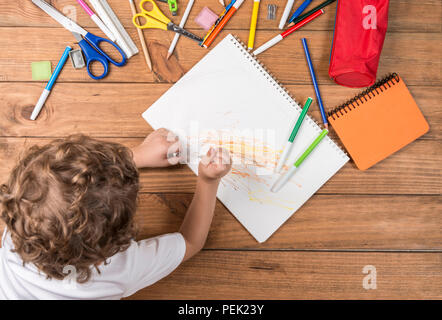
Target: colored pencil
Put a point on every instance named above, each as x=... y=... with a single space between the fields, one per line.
x=51 y=82
x=140 y=35
x=315 y=83
x=289 y=144
x=284 y=34
x=253 y=24
x=285 y=14
x=283 y=179
x=300 y=10
x=222 y=23
x=220 y=17
x=183 y=21
x=322 y=5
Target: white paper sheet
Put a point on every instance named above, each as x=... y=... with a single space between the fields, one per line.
x=228 y=99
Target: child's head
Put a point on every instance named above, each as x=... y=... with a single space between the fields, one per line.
x=71 y=202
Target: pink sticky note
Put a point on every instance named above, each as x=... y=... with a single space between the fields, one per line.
x=206 y=18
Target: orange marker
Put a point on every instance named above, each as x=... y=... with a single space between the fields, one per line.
x=222 y=23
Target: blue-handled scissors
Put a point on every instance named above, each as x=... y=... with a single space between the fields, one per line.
x=89 y=43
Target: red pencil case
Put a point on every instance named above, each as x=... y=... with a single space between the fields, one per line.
x=358 y=38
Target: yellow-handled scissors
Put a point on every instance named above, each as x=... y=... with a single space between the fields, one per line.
x=154 y=18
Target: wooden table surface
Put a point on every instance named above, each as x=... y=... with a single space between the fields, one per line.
x=388 y=217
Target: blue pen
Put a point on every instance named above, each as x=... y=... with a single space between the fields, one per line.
x=50 y=84
x=299 y=10
x=315 y=83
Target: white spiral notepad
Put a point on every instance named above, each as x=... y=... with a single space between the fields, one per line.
x=228 y=99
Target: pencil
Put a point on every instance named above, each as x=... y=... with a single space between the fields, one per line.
x=281 y=182
x=285 y=14
x=140 y=35
x=222 y=23
x=220 y=17
x=177 y=35
x=253 y=24
x=322 y=5
x=315 y=83
x=300 y=10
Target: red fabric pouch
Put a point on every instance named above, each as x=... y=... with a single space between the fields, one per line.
x=359 y=34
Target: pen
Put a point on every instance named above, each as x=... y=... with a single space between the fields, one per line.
x=286 y=176
x=289 y=144
x=50 y=84
x=315 y=83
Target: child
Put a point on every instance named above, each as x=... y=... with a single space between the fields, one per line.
x=69 y=212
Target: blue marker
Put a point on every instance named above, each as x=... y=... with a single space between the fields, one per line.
x=50 y=84
x=230 y=5
x=315 y=83
x=299 y=10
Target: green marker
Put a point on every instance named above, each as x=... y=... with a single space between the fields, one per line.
x=286 y=177
x=289 y=145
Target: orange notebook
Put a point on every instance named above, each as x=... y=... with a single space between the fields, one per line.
x=378 y=122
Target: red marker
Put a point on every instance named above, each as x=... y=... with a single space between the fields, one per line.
x=281 y=36
x=222 y=23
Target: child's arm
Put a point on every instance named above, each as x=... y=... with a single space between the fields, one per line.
x=196 y=224
x=156 y=149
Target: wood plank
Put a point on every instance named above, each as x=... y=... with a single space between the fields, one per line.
x=393 y=206
x=300 y=275
x=92 y=108
x=413 y=170
x=286 y=60
x=404 y=15
x=326 y=222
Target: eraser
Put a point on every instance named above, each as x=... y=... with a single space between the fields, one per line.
x=206 y=18
x=41 y=70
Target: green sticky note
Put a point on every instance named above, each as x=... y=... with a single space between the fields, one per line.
x=41 y=70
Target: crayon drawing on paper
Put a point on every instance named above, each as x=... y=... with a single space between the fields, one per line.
x=229 y=100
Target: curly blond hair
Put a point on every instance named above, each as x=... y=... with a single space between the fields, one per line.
x=71 y=202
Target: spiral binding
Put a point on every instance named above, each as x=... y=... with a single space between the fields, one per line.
x=366 y=95
x=281 y=89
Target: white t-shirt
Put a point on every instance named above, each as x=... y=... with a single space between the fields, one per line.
x=142 y=264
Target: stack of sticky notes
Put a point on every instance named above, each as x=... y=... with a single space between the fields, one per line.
x=41 y=70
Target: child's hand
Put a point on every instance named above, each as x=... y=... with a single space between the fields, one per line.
x=160 y=149
x=215 y=165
